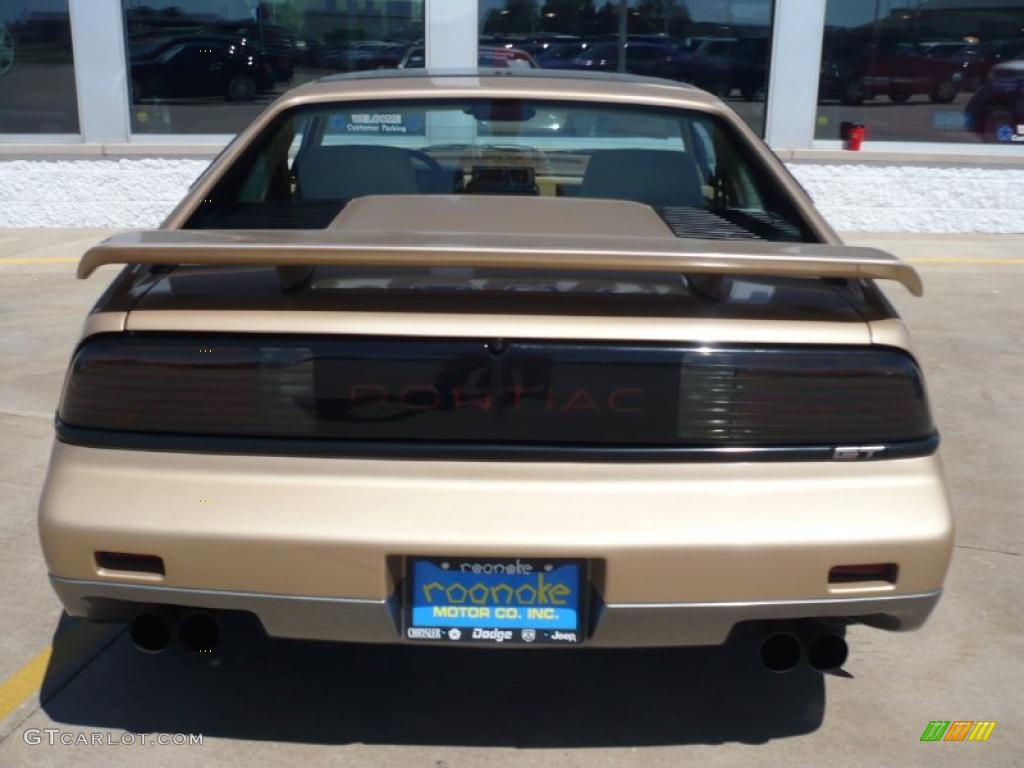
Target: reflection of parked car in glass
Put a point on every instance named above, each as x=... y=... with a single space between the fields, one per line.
x=6 y=50
x=505 y=58
x=535 y=45
x=943 y=49
x=561 y=52
x=275 y=42
x=649 y=59
x=348 y=56
x=312 y=52
x=376 y=54
x=200 y=66
x=996 y=111
x=487 y=56
x=976 y=61
x=857 y=72
x=722 y=65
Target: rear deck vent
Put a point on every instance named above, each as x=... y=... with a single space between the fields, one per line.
x=277 y=214
x=702 y=224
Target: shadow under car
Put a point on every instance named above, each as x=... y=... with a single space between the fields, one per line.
x=257 y=687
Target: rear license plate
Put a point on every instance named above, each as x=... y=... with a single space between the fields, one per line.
x=507 y=600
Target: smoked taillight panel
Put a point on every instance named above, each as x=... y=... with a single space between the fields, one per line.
x=480 y=391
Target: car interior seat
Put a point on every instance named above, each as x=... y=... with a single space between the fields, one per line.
x=650 y=176
x=345 y=172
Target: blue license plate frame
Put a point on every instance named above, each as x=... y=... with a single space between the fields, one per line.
x=496 y=600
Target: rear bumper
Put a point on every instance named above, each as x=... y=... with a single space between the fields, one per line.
x=679 y=553
x=376 y=621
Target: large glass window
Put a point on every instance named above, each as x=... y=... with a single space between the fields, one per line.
x=690 y=167
x=37 y=76
x=721 y=45
x=209 y=66
x=923 y=70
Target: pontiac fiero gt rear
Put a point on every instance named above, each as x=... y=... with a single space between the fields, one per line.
x=549 y=361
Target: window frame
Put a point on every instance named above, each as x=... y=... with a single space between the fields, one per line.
x=62 y=139
x=451 y=40
x=802 y=50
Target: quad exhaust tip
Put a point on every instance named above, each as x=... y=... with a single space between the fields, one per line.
x=782 y=651
x=199 y=632
x=150 y=632
x=827 y=653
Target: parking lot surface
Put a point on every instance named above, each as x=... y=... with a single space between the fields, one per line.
x=271 y=702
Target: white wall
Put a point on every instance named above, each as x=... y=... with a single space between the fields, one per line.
x=874 y=198
x=914 y=198
x=93 y=193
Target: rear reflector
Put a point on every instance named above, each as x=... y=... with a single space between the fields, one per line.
x=850 y=574
x=473 y=391
x=130 y=563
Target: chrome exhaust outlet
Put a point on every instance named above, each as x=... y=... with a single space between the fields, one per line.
x=780 y=652
x=827 y=653
x=199 y=632
x=150 y=632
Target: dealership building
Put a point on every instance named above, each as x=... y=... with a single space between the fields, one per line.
x=109 y=108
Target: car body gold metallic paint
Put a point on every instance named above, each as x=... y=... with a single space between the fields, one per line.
x=521 y=326
x=326 y=526
x=313 y=546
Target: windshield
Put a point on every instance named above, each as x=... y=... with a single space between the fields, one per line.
x=692 y=168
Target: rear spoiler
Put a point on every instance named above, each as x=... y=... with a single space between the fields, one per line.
x=297 y=251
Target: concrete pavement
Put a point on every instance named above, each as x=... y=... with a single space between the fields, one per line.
x=282 y=703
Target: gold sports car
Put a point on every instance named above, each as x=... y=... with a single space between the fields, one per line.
x=538 y=359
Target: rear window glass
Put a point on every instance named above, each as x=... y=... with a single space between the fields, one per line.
x=690 y=167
